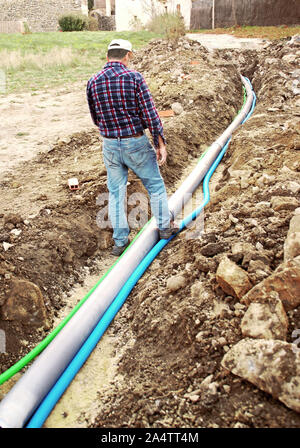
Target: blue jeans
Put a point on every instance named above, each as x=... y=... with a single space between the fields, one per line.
x=137 y=154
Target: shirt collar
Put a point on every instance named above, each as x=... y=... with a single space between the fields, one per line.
x=114 y=64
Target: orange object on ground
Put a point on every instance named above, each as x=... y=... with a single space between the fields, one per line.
x=166 y=113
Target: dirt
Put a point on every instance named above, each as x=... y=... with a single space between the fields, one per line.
x=162 y=344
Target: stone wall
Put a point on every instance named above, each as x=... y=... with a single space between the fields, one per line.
x=12 y=27
x=41 y=15
x=245 y=12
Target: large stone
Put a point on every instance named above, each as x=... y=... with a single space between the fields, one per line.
x=177 y=108
x=272 y=366
x=284 y=203
x=283 y=284
x=265 y=321
x=176 y=282
x=292 y=241
x=232 y=279
x=25 y=304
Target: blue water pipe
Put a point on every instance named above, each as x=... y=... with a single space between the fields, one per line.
x=82 y=355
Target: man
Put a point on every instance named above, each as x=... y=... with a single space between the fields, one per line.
x=121 y=106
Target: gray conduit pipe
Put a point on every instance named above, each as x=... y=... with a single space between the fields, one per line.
x=20 y=403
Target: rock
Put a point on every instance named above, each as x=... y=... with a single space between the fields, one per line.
x=239 y=249
x=4 y=237
x=295 y=40
x=6 y=245
x=283 y=284
x=284 y=203
x=256 y=255
x=256 y=266
x=294 y=187
x=212 y=249
x=12 y=218
x=25 y=304
x=226 y=388
x=289 y=58
x=265 y=321
x=272 y=366
x=232 y=279
x=292 y=241
x=260 y=269
x=220 y=308
x=176 y=282
x=201 y=263
x=16 y=232
x=240 y=425
x=233 y=219
x=177 y=108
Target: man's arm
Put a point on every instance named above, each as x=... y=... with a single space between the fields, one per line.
x=150 y=115
x=91 y=104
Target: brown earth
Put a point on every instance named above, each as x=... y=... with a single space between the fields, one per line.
x=177 y=337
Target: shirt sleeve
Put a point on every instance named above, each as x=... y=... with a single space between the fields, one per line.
x=90 y=101
x=149 y=112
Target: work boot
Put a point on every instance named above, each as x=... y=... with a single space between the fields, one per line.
x=118 y=250
x=165 y=234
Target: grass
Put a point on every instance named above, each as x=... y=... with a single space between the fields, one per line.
x=264 y=32
x=40 y=61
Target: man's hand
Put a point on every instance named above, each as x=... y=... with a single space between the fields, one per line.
x=161 y=152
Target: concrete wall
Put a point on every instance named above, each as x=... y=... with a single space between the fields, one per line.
x=143 y=10
x=41 y=15
x=245 y=12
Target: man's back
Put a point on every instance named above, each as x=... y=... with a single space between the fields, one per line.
x=121 y=103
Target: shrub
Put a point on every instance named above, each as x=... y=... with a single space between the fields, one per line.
x=136 y=24
x=93 y=24
x=170 y=25
x=26 y=28
x=73 y=22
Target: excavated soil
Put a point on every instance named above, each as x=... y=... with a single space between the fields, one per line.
x=164 y=343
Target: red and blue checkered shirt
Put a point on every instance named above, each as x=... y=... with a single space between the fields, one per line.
x=121 y=104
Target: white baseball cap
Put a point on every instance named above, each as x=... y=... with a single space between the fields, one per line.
x=120 y=44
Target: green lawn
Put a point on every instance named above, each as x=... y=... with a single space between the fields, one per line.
x=41 y=60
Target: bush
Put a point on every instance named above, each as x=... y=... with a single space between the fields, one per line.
x=73 y=22
x=93 y=24
x=136 y=24
x=170 y=25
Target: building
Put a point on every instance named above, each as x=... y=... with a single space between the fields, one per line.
x=129 y=12
x=40 y=15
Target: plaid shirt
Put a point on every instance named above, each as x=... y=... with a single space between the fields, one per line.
x=121 y=104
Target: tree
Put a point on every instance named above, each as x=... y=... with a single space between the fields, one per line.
x=90 y=4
